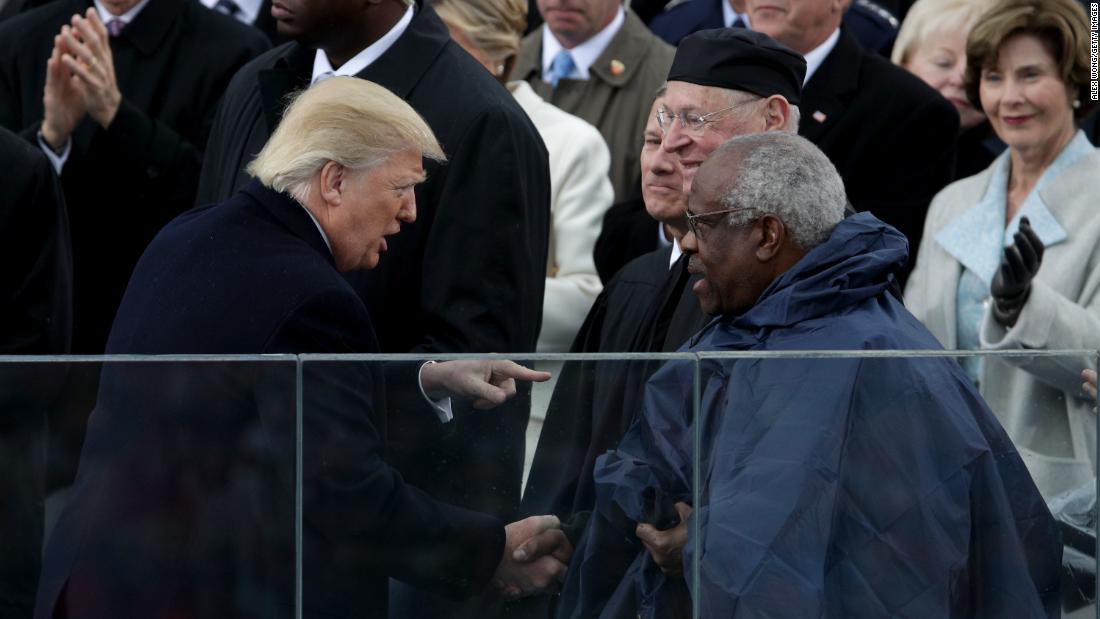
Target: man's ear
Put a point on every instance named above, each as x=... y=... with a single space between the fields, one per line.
x=331 y=179
x=773 y=234
x=776 y=113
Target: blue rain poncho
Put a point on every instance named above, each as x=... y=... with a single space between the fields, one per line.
x=830 y=487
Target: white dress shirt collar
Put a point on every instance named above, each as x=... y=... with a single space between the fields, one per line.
x=729 y=15
x=322 y=68
x=585 y=54
x=676 y=252
x=817 y=55
x=324 y=236
x=126 y=17
x=249 y=9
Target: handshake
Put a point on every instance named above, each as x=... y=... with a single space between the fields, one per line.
x=536 y=550
x=536 y=553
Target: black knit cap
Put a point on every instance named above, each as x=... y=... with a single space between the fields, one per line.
x=739 y=59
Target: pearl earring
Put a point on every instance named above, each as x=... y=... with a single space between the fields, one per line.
x=1076 y=103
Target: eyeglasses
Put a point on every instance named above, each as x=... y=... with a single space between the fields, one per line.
x=694 y=223
x=690 y=120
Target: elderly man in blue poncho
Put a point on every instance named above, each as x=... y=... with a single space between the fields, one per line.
x=830 y=487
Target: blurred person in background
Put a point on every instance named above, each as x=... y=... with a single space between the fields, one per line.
x=1010 y=259
x=580 y=191
x=932 y=45
x=597 y=60
x=890 y=135
x=120 y=96
x=35 y=319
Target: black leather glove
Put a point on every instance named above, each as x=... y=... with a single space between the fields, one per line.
x=1012 y=284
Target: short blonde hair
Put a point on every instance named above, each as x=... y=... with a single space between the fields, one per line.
x=351 y=121
x=928 y=16
x=494 y=26
x=1061 y=25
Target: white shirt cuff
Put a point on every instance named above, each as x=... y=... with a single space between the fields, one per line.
x=442 y=406
x=58 y=161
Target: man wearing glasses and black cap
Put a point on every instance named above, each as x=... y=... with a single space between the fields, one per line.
x=723 y=83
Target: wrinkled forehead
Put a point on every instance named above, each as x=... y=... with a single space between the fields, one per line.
x=687 y=96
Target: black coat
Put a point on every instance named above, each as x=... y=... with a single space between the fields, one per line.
x=35 y=318
x=873 y=26
x=628 y=232
x=468 y=275
x=35 y=256
x=890 y=135
x=184 y=497
x=646 y=308
x=123 y=183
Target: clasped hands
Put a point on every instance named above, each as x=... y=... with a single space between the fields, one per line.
x=80 y=80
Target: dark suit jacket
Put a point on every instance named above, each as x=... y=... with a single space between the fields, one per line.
x=890 y=136
x=468 y=275
x=185 y=495
x=35 y=318
x=873 y=26
x=123 y=183
x=35 y=260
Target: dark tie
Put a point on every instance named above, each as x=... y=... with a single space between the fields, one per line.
x=738 y=23
x=115 y=26
x=228 y=7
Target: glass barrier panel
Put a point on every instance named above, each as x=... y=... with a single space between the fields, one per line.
x=147 y=487
x=895 y=483
x=676 y=485
x=413 y=507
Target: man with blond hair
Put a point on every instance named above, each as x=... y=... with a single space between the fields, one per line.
x=182 y=501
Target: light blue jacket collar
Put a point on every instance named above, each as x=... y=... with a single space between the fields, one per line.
x=976 y=237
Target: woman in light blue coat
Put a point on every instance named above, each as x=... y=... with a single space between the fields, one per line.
x=1010 y=258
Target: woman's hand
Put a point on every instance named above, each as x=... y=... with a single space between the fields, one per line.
x=1012 y=283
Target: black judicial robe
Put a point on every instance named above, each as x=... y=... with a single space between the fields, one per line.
x=123 y=183
x=647 y=307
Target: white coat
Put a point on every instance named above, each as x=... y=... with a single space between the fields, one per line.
x=580 y=194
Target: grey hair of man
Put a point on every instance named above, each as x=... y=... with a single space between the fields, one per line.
x=786 y=175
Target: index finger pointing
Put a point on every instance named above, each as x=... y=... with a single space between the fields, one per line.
x=511 y=369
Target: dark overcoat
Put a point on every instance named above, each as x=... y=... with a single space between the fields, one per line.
x=185 y=497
